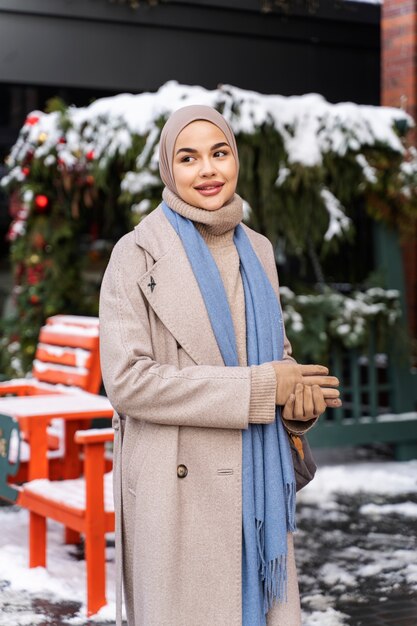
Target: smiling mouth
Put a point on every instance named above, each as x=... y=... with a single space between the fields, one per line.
x=209 y=189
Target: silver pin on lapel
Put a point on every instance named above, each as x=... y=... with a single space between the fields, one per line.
x=152 y=284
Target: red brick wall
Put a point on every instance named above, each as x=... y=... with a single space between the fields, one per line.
x=399 y=89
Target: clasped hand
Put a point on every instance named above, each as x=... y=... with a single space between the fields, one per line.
x=305 y=391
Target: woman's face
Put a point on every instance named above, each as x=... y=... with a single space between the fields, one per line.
x=204 y=167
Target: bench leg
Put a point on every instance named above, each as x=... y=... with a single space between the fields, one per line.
x=95 y=528
x=95 y=558
x=72 y=537
x=37 y=540
x=72 y=465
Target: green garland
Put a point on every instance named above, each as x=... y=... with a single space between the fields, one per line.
x=77 y=184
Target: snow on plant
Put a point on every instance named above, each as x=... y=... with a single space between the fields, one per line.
x=408 y=173
x=293 y=319
x=309 y=125
x=309 y=129
x=138 y=182
x=369 y=172
x=304 y=162
x=283 y=174
x=18 y=225
x=142 y=207
x=314 y=322
x=338 y=220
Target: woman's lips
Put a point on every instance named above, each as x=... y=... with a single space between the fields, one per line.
x=209 y=190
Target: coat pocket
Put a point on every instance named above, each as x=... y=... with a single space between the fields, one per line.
x=139 y=452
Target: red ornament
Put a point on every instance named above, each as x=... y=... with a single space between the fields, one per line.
x=26 y=171
x=19 y=271
x=28 y=157
x=62 y=140
x=15 y=204
x=90 y=155
x=32 y=120
x=34 y=274
x=34 y=299
x=38 y=241
x=41 y=202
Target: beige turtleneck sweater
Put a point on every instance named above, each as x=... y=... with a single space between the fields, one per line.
x=217 y=229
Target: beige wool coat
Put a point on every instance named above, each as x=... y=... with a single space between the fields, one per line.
x=178 y=419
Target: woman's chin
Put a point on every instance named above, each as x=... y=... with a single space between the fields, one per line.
x=213 y=203
x=210 y=207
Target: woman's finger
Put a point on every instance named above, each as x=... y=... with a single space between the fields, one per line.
x=333 y=403
x=288 y=410
x=308 y=402
x=318 y=399
x=313 y=370
x=328 y=392
x=322 y=381
x=299 y=402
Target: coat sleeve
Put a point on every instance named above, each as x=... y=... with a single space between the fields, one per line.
x=140 y=387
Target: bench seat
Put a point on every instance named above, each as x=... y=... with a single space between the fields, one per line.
x=70 y=494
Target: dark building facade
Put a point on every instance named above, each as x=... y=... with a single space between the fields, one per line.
x=99 y=45
x=84 y=49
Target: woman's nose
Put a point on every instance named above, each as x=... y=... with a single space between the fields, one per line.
x=207 y=168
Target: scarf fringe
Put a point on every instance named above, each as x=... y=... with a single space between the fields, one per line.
x=275 y=582
x=290 y=504
x=260 y=542
x=273 y=574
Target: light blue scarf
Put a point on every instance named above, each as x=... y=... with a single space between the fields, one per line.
x=268 y=481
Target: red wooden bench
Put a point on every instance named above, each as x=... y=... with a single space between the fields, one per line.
x=84 y=505
x=67 y=361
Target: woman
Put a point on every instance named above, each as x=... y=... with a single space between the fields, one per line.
x=204 y=486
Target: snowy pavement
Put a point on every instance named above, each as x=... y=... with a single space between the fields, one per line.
x=356 y=553
x=357 y=545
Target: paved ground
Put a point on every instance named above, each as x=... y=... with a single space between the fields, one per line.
x=397 y=612
x=357 y=563
x=347 y=543
x=354 y=569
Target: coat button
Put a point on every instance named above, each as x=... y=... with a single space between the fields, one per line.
x=182 y=471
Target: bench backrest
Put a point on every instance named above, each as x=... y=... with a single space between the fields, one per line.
x=68 y=352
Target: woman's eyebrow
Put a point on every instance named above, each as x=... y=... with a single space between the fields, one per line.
x=193 y=150
x=219 y=145
x=190 y=150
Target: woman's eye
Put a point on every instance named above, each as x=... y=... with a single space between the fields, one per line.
x=221 y=153
x=187 y=159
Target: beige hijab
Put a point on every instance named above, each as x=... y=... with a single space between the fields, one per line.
x=175 y=124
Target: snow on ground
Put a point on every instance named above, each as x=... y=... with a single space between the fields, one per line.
x=409 y=509
x=357 y=540
x=376 y=477
x=62 y=582
x=329 y=617
x=356 y=547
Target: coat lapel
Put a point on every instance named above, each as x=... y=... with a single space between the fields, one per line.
x=173 y=293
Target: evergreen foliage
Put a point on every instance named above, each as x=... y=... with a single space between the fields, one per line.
x=79 y=178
